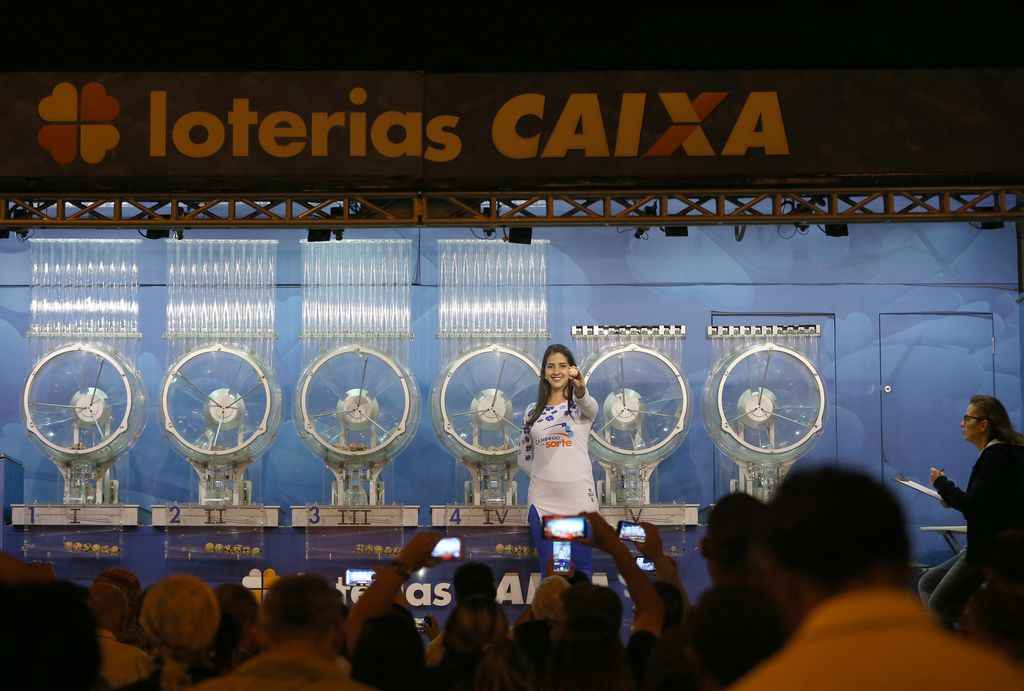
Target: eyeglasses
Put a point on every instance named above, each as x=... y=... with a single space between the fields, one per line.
x=973 y=417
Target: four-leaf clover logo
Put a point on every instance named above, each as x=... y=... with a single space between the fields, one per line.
x=259 y=582
x=76 y=123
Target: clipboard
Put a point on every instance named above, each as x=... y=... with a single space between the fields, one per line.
x=917 y=486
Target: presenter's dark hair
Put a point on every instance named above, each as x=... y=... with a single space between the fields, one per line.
x=999 y=426
x=544 y=388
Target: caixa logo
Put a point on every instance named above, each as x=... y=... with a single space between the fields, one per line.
x=78 y=123
x=523 y=129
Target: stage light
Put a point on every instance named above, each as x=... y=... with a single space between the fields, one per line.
x=640 y=233
x=836 y=230
x=157 y=233
x=521 y=235
x=318 y=235
x=988 y=223
x=675 y=231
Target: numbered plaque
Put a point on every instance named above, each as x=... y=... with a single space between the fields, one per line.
x=454 y=516
x=76 y=514
x=316 y=516
x=197 y=515
x=655 y=514
x=467 y=516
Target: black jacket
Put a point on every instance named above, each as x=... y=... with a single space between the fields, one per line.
x=994 y=500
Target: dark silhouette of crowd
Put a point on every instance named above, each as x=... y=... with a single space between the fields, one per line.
x=812 y=591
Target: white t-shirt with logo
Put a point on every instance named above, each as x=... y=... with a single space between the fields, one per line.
x=555 y=457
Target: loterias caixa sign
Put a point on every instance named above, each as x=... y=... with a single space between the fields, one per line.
x=425 y=131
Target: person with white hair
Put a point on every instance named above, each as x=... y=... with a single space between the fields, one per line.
x=180 y=615
x=533 y=631
x=547 y=600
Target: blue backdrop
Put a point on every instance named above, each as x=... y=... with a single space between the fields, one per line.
x=928 y=310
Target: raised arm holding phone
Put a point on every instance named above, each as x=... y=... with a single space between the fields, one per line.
x=648 y=608
x=377 y=598
x=665 y=566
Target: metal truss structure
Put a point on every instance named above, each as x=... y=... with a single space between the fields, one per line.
x=496 y=209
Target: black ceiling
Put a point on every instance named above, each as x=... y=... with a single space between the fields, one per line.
x=493 y=37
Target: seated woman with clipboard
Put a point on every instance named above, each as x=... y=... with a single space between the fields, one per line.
x=992 y=502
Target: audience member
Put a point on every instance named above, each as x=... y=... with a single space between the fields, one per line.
x=180 y=615
x=674 y=603
x=476 y=624
x=389 y=655
x=131 y=633
x=122 y=664
x=825 y=564
x=504 y=667
x=594 y=603
x=648 y=611
x=341 y=647
x=577 y=577
x=736 y=525
x=48 y=638
x=533 y=633
x=14 y=571
x=838 y=559
x=588 y=657
x=731 y=631
x=300 y=620
x=669 y=585
x=471 y=579
x=994 y=617
x=239 y=636
x=547 y=599
x=671 y=667
x=377 y=600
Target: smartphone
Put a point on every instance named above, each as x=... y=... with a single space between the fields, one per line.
x=448 y=548
x=421 y=624
x=359 y=576
x=561 y=557
x=645 y=564
x=565 y=527
x=631 y=532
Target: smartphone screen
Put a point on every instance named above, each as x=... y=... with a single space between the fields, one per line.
x=632 y=532
x=359 y=576
x=421 y=624
x=561 y=556
x=448 y=548
x=565 y=527
x=644 y=563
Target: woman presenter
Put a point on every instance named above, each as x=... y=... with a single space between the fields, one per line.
x=553 y=452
